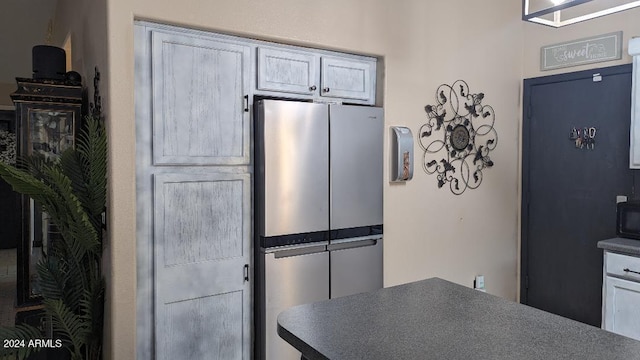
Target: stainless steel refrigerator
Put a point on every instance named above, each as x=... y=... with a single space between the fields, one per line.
x=318 y=209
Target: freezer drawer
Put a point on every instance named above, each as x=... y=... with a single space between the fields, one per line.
x=292 y=277
x=356 y=176
x=356 y=266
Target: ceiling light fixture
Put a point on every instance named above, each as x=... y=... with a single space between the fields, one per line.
x=558 y=13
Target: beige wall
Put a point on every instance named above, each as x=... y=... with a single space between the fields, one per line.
x=536 y=36
x=25 y=24
x=85 y=24
x=428 y=231
x=5 y=93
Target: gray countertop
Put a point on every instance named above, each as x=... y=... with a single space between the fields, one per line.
x=622 y=245
x=437 y=319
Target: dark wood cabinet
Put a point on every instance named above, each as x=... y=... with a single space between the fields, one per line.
x=9 y=199
x=48 y=113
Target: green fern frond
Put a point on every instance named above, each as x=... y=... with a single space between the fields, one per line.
x=68 y=325
x=72 y=191
x=53 y=278
x=24 y=183
x=92 y=149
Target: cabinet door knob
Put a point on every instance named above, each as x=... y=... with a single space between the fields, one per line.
x=325 y=89
x=312 y=88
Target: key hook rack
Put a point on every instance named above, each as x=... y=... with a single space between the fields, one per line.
x=583 y=138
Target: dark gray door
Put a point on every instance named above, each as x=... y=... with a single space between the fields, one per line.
x=569 y=194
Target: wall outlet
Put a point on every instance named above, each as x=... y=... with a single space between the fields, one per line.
x=478 y=283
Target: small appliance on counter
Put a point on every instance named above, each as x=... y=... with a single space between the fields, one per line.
x=318 y=209
x=628 y=219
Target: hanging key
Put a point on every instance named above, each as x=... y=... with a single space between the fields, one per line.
x=592 y=137
x=573 y=134
x=578 y=139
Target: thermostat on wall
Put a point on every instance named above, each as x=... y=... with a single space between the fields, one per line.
x=401 y=154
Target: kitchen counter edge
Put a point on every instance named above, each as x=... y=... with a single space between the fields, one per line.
x=621 y=245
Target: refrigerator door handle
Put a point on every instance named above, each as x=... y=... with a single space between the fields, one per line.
x=297 y=250
x=352 y=243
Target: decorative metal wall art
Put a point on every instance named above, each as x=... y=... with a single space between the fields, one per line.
x=458 y=137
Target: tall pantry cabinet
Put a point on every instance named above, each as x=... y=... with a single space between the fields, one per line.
x=193 y=188
x=193 y=96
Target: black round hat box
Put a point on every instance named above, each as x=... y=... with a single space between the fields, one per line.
x=49 y=62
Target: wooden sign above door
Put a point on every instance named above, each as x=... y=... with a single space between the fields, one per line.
x=583 y=51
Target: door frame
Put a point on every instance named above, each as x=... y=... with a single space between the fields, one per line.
x=528 y=85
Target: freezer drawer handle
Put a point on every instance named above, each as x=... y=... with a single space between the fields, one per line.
x=631 y=271
x=246 y=272
x=353 y=244
x=298 y=251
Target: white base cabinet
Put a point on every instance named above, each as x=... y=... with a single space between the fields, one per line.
x=622 y=309
x=621 y=294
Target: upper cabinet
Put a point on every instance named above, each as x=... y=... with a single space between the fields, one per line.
x=340 y=77
x=634 y=154
x=287 y=71
x=200 y=100
x=348 y=78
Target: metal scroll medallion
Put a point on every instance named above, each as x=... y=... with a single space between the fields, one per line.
x=458 y=137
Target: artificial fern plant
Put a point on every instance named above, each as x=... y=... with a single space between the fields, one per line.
x=72 y=191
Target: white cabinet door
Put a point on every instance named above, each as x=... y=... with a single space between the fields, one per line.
x=201 y=245
x=622 y=307
x=200 y=113
x=348 y=78
x=634 y=158
x=194 y=217
x=287 y=71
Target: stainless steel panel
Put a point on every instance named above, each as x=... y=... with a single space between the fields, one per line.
x=294 y=162
x=357 y=268
x=356 y=150
x=291 y=281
